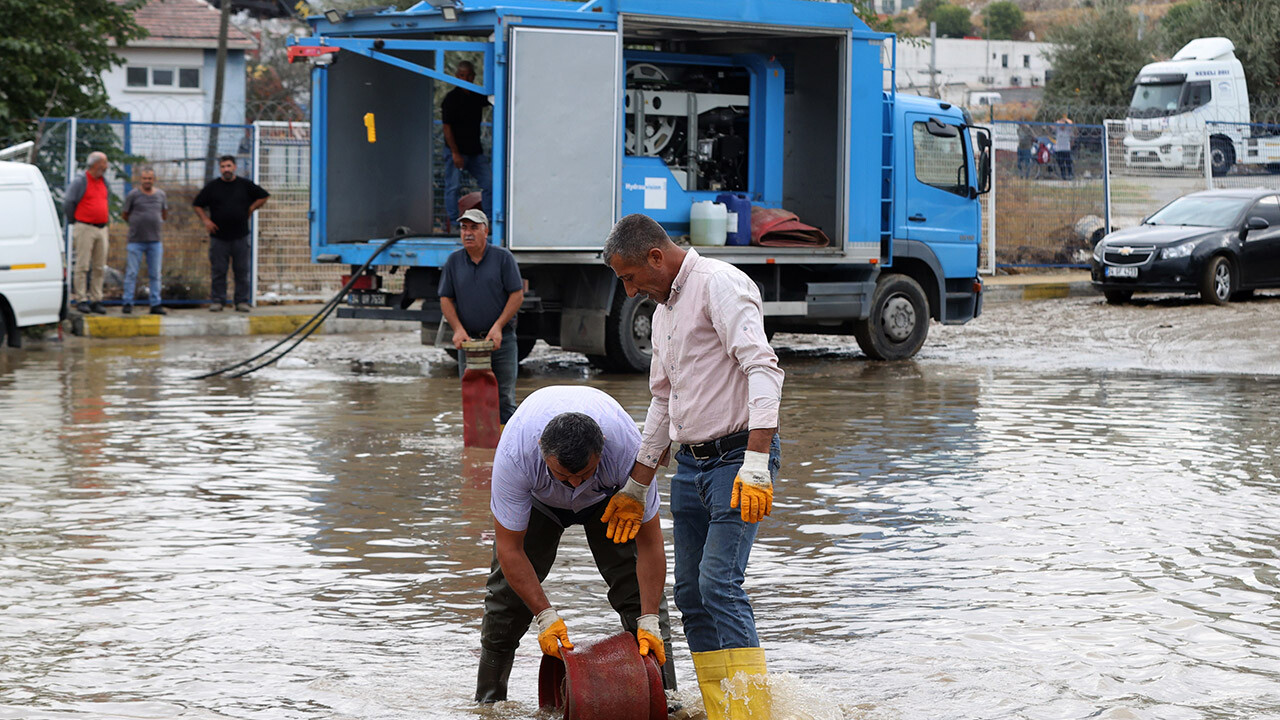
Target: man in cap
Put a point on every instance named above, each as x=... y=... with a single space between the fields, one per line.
x=480 y=294
x=566 y=451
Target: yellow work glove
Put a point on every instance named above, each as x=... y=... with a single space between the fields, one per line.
x=552 y=633
x=650 y=638
x=753 y=488
x=625 y=512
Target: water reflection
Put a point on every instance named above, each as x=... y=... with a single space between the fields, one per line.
x=947 y=542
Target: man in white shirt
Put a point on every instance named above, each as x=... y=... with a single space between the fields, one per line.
x=564 y=453
x=716 y=389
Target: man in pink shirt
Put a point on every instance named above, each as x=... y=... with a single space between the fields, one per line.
x=716 y=389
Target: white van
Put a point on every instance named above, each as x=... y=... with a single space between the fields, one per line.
x=32 y=284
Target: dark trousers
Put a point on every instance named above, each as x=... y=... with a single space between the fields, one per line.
x=507 y=618
x=238 y=253
x=1066 y=168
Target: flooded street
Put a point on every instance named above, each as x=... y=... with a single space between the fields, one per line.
x=970 y=535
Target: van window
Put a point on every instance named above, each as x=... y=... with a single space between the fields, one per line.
x=16 y=206
x=940 y=161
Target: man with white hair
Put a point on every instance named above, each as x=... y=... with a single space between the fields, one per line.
x=85 y=208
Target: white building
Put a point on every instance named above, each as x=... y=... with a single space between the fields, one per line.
x=968 y=69
x=169 y=75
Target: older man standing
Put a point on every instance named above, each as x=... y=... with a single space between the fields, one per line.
x=480 y=294
x=716 y=389
x=146 y=207
x=85 y=207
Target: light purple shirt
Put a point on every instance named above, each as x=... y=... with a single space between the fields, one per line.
x=520 y=474
x=713 y=372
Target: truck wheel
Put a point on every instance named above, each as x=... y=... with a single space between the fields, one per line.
x=3 y=327
x=1218 y=281
x=627 y=341
x=1117 y=297
x=1222 y=155
x=899 y=320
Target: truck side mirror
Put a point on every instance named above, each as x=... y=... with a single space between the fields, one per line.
x=983 y=140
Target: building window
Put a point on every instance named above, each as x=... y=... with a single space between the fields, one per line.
x=1004 y=61
x=1026 y=61
x=162 y=78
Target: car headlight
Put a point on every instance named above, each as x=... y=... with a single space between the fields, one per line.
x=1097 y=252
x=1177 y=251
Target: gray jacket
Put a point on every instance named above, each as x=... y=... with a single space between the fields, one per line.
x=71 y=199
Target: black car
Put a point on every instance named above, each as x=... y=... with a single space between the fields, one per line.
x=1220 y=243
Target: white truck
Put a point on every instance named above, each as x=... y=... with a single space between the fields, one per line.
x=1177 y=103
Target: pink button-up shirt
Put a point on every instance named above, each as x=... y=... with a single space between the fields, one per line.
x=713 y=372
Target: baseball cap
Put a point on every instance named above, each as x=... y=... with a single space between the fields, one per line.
x=475 y=215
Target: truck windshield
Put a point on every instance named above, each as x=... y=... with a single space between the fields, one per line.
x=1200 y=211
x=1155 y=100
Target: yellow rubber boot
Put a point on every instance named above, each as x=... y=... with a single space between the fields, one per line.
x=734 y=684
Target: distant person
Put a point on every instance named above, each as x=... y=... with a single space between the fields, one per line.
x=225 y=205
x=460 y=115
x=146 y=207
x=85 y=207
x=480 y=294
x=566 y=451
x=1062 y=147
x=1026 y=139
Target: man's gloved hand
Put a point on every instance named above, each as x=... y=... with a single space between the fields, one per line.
x=753 y=488
x=625 y=512
x=650 y=638
x=552 y=633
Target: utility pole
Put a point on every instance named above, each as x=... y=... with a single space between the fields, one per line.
x=215 y=118
x=933 y=60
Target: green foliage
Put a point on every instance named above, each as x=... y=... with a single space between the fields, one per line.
x=1095 y=61
x=1254 y=27
x=926 y=8
x=1003 y=19
x=952 y=21
x=53 y=54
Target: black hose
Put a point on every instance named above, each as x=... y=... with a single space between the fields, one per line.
x=310 y=325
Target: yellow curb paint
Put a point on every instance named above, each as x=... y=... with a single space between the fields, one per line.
x=277 y=324
x=120 y=327
x=1045 y=291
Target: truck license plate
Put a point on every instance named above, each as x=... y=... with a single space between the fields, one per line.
x=374 y=298
x=1122 y=272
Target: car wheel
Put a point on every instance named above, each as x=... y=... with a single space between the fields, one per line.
x=1218 y=281
x=899 y=320
x=1117 y=297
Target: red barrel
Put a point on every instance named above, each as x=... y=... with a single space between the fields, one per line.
x=481 y=426
x=606 y=680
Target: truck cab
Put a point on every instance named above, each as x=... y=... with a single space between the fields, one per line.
x=619 y=106
x=1201 y=90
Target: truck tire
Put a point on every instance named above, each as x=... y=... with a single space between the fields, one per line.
x=4 y=327
x=1222 y=155
x=1117 y=297
x=899 y=320
x=627 y=341
x=1218 y=281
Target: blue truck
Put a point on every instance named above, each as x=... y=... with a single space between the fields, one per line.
x=608 y=107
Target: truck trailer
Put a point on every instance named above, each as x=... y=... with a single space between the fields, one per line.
x=612 y=107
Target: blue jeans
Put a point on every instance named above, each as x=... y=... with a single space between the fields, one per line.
x=712 y=545
x=478 y=166
x=505 y=361
x=154 y=253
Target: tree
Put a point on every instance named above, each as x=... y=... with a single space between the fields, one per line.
x=1252 y=25
x=952 y=21
x=1094 y=62
x=1002 y=19
x=926 y=8
x=53 y=54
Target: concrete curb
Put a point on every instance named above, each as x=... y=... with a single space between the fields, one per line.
x=190 y=324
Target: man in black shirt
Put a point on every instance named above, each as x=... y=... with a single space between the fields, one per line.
x=461 y=114
x=224 y=205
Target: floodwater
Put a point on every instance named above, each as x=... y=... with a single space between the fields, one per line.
x=950 y=539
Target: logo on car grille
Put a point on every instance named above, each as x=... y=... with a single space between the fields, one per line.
x=1126 y=251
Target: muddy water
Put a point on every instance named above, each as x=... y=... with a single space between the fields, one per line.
x=949 y=540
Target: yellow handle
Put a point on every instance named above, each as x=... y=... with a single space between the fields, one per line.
x=368 y=123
